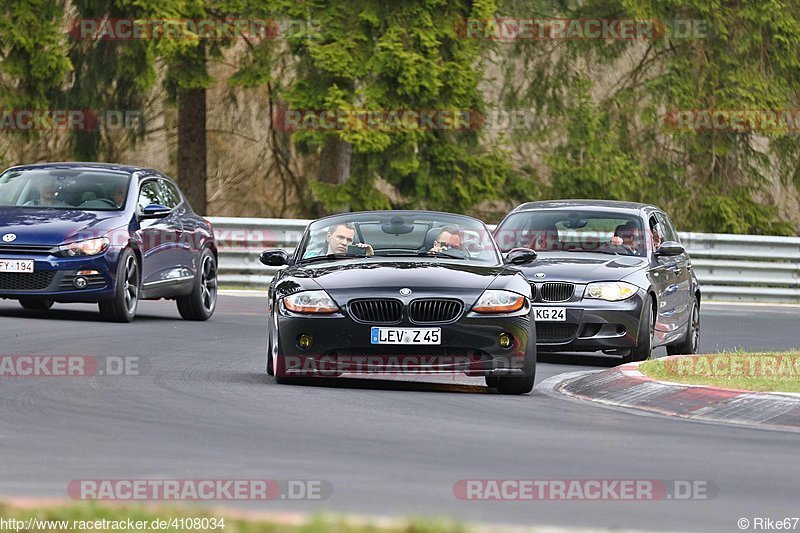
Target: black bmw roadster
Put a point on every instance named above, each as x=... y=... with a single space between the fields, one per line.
x=401 y=292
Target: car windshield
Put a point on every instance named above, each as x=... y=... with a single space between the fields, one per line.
x=551 y=230
x=400 y=234
x=64 y=188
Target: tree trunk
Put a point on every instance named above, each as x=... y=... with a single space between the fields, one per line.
x=192 y=147
x=334 y=161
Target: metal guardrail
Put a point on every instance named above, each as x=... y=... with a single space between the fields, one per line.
x=749 y=268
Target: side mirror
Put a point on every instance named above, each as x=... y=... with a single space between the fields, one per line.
x=274 y=258
x=155 y=211
x=670 y=248
x=519 y=256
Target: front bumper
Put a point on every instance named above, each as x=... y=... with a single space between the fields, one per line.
x=592 y=325
x=53 y=278
x=340 y=344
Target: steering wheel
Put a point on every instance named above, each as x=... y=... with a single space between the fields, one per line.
x=108 y=201
x=617 y=247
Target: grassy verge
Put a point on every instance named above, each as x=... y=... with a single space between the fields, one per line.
x=88 y=516
x=760 y=372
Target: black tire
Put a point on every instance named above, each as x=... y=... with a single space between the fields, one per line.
x=274 y=349
x=688 y=344
x=202 y=301
x=644 y=339
x=520 y=384
x=36 y=305
x=491 y=382
x=122 y=308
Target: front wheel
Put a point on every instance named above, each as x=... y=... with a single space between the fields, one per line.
x=202 y=301
x=688 y=344
x=644 y=342
x=520 y=384
x=122 y=308
x=36 y=305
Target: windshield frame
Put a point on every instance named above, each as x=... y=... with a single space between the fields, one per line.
x=641 y=250
x=73 y=172
x=418 y=217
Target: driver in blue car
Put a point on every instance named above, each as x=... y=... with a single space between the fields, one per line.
x=338 y=238
x=49 y=190
x=119 y=193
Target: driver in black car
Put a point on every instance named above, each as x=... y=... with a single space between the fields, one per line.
x=449 y=237
x=338 y=238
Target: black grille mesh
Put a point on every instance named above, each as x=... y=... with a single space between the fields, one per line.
x=377 y=311
x=555 y=332
x=18 y=281
x=434 y=310
x=557 y=292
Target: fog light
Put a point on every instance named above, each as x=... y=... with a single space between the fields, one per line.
x=305 y=341
x=88 y=272
x=505 y=340
x=80 y=282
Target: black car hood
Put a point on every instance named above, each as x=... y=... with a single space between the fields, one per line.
x=56 y=226
x=580 y=267
x=346 y=279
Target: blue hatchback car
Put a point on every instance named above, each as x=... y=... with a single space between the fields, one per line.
x=103 y=233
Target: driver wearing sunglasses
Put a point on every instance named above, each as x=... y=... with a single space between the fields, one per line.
x=448 y=238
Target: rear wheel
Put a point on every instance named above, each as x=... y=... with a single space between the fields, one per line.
x=689 y=343
x=122 y=308
x=202 y=301
x=644 y=343
x=491 y=382
x=36 y=305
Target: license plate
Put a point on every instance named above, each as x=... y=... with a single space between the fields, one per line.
x=551 y=314
x=24 y=266
x=406 y=335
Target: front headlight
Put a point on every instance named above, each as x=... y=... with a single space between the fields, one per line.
x=496 y=301
x=87 y=247
x=310 y=302
x=612 y=291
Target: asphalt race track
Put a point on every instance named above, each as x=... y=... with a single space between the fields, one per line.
x=203 y=408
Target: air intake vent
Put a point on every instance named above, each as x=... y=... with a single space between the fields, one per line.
x=432 y=311
x=17 y=281
x=25 y=249
x=377 y=311
x=557 y=292
x=555 y=332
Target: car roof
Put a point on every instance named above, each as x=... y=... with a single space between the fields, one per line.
x=130 y=169
x=589 y=205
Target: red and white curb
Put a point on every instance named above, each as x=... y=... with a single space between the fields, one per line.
x=626 y=386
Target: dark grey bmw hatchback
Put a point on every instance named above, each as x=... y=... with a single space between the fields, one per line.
x=610 y=276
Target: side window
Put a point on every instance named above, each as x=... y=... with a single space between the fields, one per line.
x=170 y=192
x=668 y=229
x=150 y=193
x=656 y=232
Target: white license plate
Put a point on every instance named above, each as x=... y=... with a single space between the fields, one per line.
x=17 y=265
x=406 y=335
x=551 y=314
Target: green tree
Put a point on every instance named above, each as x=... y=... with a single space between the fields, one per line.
x=369 y=55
